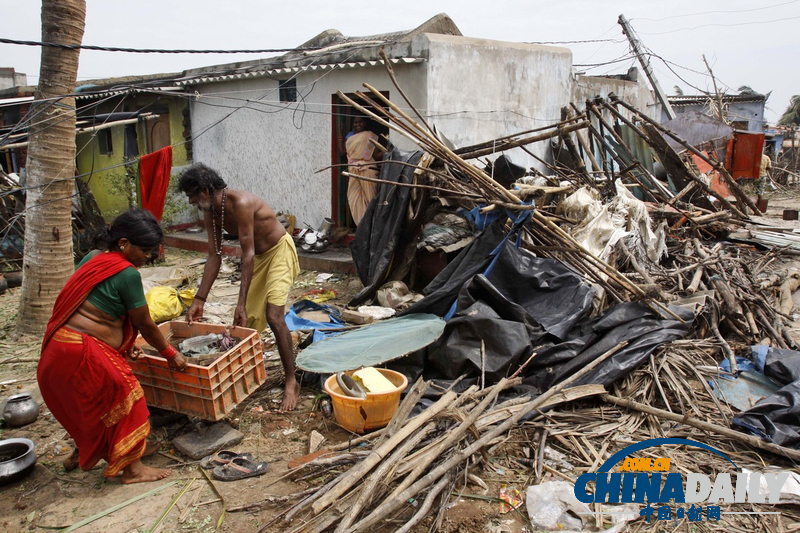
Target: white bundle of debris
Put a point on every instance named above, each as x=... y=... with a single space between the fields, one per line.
x=600 y=227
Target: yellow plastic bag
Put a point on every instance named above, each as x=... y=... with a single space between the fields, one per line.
x=164 y=304
x=319 y=295
x=187 y=296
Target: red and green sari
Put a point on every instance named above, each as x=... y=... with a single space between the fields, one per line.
x=88 y=385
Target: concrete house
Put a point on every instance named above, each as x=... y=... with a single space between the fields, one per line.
x=271 y=125
x=744 y=112
x=124 y=119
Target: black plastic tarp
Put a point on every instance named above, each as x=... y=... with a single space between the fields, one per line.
x=643 y=328
x=379 y=236
x=782 y=366
x=776 y=418
x=527 y=304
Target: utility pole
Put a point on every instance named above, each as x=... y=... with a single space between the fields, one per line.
x=717 y=94
x=637 y=49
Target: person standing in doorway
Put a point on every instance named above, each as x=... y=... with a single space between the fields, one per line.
x=269 y=261
x=361 y=152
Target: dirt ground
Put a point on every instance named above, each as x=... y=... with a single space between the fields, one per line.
x=186 y=501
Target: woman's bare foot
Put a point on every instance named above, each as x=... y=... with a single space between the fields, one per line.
x=137 y=472
x=72 y=462
x=291 y=395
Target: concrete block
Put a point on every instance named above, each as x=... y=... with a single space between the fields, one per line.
x=200 y=443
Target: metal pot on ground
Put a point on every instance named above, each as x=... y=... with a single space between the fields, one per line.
x=17 y=459
x=20 y=410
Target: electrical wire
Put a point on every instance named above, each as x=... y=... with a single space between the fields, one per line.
x=352 y=50
x=248 y=103
x=26 y=122
x=151 y=50
x=588 y=41
x=194 y=137
x=718 y=12
x=721 y=26
x=613 y=61
x=282 y=107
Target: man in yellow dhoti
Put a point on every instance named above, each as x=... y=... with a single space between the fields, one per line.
x=269 y=261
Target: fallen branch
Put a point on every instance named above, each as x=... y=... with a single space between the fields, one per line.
x=705 y=426
x=392 y=505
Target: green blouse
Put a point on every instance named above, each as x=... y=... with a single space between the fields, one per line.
x=118 y=294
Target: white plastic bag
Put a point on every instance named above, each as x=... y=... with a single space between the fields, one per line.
x=551 y=506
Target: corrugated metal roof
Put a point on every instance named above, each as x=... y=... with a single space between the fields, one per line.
x=292 y=70
x=13 y=101
x=727 y=98
x=124 y=90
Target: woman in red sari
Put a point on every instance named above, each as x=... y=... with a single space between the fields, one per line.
x=84 y=378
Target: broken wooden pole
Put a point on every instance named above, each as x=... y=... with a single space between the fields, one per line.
x=508 y=138
x=525 y=140
x=576 y=156
x=586 y=148
x=705 y=426
x=566 y=138
x=737 y=191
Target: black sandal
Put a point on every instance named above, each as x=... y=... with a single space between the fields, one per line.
x=221 y=458
x=240 y=468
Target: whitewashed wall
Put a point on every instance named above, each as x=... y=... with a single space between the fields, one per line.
x=482 y=89
x=472 y=90
x=273 y=149
x=636 y=93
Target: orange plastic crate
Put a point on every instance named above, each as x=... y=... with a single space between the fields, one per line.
x=207 y=392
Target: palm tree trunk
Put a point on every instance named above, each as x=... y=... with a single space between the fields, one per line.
x=48 y=260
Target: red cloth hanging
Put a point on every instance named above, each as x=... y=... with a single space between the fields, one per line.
x=154 y=172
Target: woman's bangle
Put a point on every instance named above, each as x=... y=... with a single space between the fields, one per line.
x=169 y=352
x=198 y=297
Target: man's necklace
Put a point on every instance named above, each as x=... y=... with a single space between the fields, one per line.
x=218 y=246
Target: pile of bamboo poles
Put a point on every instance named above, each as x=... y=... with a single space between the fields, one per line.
x=419 y=458
x=408 y=471
x=460 y=179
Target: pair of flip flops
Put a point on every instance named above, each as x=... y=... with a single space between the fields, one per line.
x=231 y=466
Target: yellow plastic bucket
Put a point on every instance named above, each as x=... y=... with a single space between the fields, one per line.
x=362 y=415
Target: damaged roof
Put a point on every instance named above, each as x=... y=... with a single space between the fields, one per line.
x=328 y=49
x=692 y=100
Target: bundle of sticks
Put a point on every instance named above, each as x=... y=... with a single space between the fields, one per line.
x=423 y=455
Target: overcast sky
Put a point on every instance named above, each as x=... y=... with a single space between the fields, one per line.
x=746 y=43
